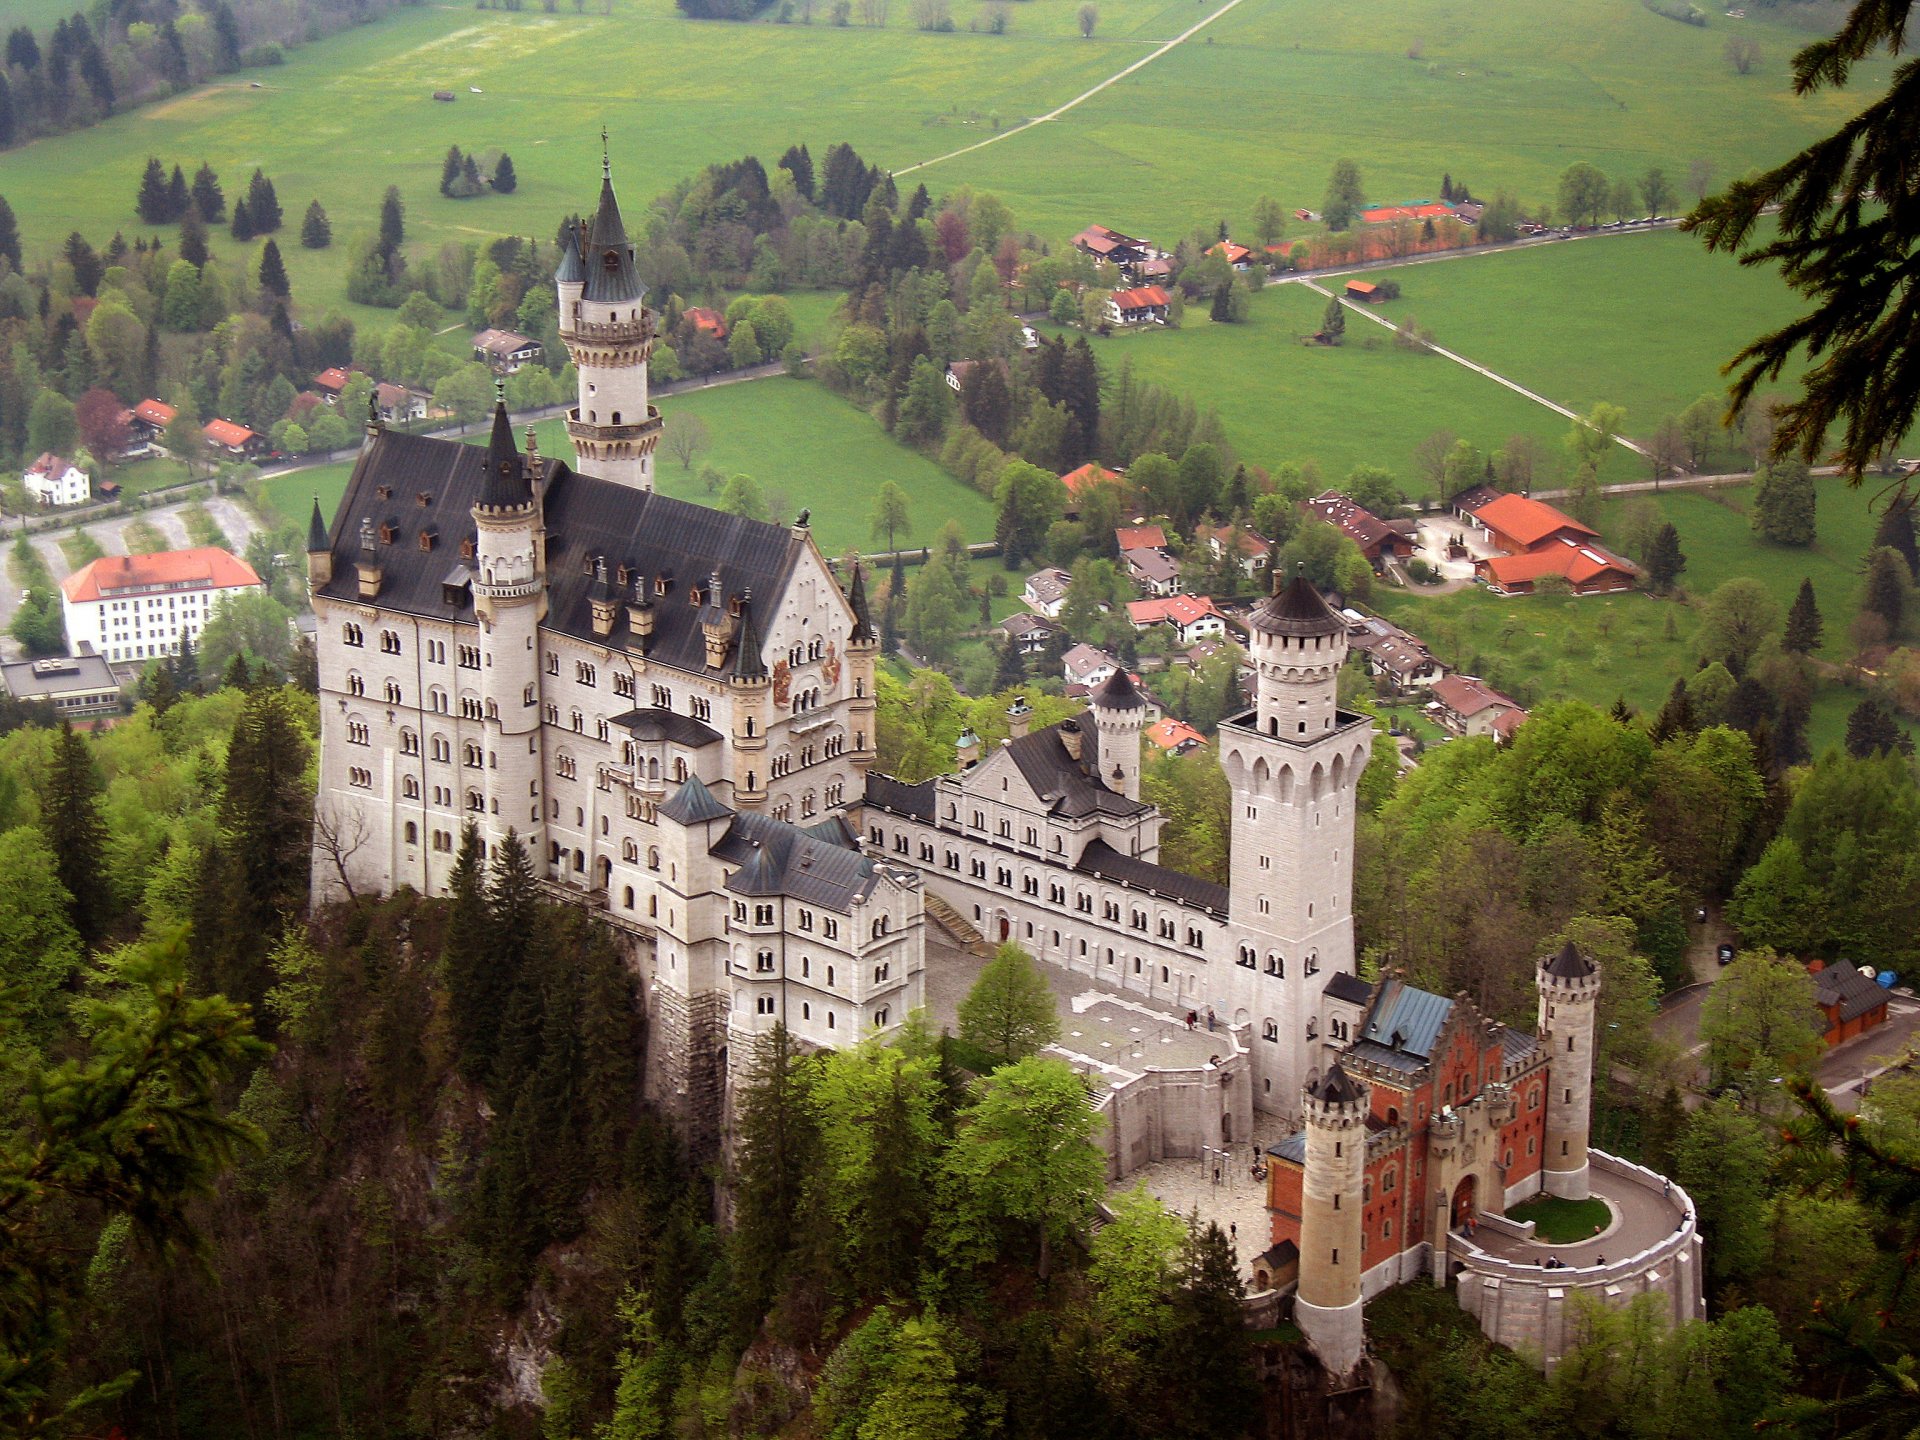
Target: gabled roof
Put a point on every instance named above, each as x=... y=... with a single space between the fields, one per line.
x=1231 y=251
x=225 y=432
x=1526 y=520
x=1083 y=659
x=1049 y=584
x=1088 y=474
x=900 y=797
x=155 y=412
x=693 y=803
x=50 y=465
x=333 y=378
x=1068 y=787
x=1350 y=988
x=1172 y=734
x=655 y=536
x=1181 y=610
x=501 y=342
x=1403 y=1026
x=205 y=568
x=1147 y=297
x=703 y=318
x=1580 y=563
x=392 y=396
x=1103 y=862
x=1156 y=567
x=1140 y=537
x=1841 y=985
x=818 y=865
x=1466 y=696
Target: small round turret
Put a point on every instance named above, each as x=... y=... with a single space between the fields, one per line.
x=1119 y=713
x=1297 y=644
x=1328 y=1302
x=1569 y=984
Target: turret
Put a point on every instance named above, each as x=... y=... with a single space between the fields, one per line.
x=1327 y=1305
x=319 y=551
x=1119 y=714
x=1297 y=644
x=716 y=623
x=1569 y=984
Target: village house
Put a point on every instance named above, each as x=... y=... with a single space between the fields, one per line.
x=1252 y=549
x=56 y=480
x=1539 y=541
x=150 y=419
x=1144 y=306
x=1379 y=540
x=1236 y=255
x=1191 y=617
x=1046 y=591
x=1174 y=737
x=1154 y=572
x=397 y=404
x=331 y=381
x=1078 y=482
x=959 y=370
x=505 y=351
x=1365 y=291
x=709 y=320
x=1469 y=706
x=1392 y=653
x=1850 y=999
x=1086 y=667
x=229 y=438
x=1111 y=246
x=1029 y=634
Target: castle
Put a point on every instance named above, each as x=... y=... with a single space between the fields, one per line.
x=673 y=709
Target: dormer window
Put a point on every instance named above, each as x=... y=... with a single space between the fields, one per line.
x=427 y=537
x=610 y=260
x=423 y=499
x=466 y=548
x=383 y=492
x=662 y=584
x=387 y=532
x=695 y=597
x=622 y=576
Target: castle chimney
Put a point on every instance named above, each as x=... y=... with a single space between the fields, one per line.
x=606 y=609
x=966 y=750
x=640 y=616
x=1019 y=715
x=1071 y=738
x=369 y=566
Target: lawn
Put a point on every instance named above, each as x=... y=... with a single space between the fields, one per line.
x=1650 y=316
x=804 y=444
x=1562 y=1222
x=1367 y=402
x=1261 y=102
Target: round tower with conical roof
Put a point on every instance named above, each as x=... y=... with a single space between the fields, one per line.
x=510 y=601
x=608 y=331
x=1569 y=984
x=1327 y=1305
x=1119 y=714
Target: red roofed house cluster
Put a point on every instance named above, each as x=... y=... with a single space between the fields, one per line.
x=1468 y=706
x=1192 y=617
x=1540 y=541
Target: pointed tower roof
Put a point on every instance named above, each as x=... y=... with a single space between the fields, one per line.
x=1118 y=692
x=317 y=531
x=571 y=271
x=1336 y=1087
x=862 y=632
x=505 y=486
x=611 y=273
x=748 y=663
x=1297 y=610
x=1570 y=964
x=693 y=803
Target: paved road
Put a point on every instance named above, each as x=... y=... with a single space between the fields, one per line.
x=1083 y=96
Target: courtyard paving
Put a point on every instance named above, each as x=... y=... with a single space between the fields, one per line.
x=1642 y=1216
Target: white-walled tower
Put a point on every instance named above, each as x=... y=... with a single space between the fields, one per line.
x=510 y=601
x=608 y=332
x=1294 y=764
x=1119 y=714
x=1569 y=996
x=1327 y=1305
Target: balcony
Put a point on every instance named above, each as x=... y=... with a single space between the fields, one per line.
x=579 y=429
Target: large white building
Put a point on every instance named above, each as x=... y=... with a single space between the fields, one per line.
x=135 y=607
x=673 y=708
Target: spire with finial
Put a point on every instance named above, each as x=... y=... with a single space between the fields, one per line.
x=505 y=485
x=317 y=531
x=862 y=632
x=612 y=275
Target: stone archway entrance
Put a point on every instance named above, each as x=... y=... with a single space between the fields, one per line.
x=1463 y=1202
x=1006 y=929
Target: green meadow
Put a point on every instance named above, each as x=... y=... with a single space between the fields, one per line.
x=1634 y=646
x=804 y=445
x=1644 y=320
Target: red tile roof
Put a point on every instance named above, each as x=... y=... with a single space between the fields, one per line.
x=50 y=464
x=1140 y=537
x=155 y=412
x=333 y=379
x=1467 y=696
x=1088 y=474
x=225 y=432
x=1524 y=520
x=1361 y=287
x=1145 y=298
x=1172 y=734
x=207 y=568
x=1179 y=610
x=1579 y=563
x=711 y=321
x=1233 y=252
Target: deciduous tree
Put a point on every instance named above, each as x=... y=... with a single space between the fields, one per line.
x=1010 y=1010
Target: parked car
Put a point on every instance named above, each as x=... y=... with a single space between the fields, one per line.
x=1724 y=954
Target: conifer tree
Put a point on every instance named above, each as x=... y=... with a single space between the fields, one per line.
x=1790 y=745
x=9 y=116
x=504 y=180
x=450 y=170
x=273 y=271
x=1664 y=559
x=264 y=204
x=1887 y=581
x=469 y=177
x=777 y=1147
x=393 y=222
x=1802 y=635
x=315 y=231
x=1676 y=717
x=1872 y=729
x=472 y=1005
x=209 y=200
x=151 y=204
x=179 y=198
x=513 y=911
x=241 y=226
x=70 y=816
x=193 y=242
x=9 y=235
x=1011 y=668
x=1334 y=323
x=1895 y=532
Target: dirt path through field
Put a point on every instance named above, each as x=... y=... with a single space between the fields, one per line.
x=1083 y=96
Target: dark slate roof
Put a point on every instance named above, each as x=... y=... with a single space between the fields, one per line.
x=507 y=485
x=777 y=858
x=571 y=271
x=317 y=530
x=586 y=519
x=1293 y=1148
x=611 y=272
x=1336 y=1087
x=1070 y=787
x=862 y=631
x=1405 y=1020
x=1516 y=1046
x=834 y=830
x=1278 y=1257
x=1350 y=988
x=1570 y=964
x=1841 y=984
x=650 y=723
x=748 y=662
x=1297 y=610
x=1104 y=862
x=693 y=803
x=900 y=797
x=1118 y=692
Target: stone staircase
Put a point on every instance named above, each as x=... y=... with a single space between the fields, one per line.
x=957 y=926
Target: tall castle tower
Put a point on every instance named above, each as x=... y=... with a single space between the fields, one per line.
x=1119 y=714
x=608 y=330
x=1569 y=994
x=1294 y=764
x=1327 y=1305
x=510 y=601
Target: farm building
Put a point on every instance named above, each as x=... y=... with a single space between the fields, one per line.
x=1849 y=998
x=1104 y=244
x=1362 y=290
x=1540 y=541
x=1379 y=540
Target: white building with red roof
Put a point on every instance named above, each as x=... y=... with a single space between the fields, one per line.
x=134 y=607
x=56 y=480
x=1146 y=305
x=1193 y=617
x=229 y=437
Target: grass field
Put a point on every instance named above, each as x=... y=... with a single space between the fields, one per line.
x=1263 y=101
x=1365 y=402
x=1633 y=646
x=798 y=439
x=1561 y=1222
x=1645 y=319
